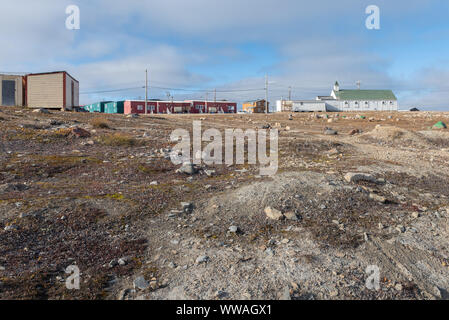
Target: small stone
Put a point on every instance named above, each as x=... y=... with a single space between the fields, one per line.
x=365 y=237
x=2 y=268
x=202 y=259
x=154 y=183
x=122 y=261
x=141 y=284
x=416 y=215
x=79 y=132
x=269 y=252
x=377 y=198
x=285 y=295
x=285 y=241
x=112 y=263
x=273 y=213
x=398 y=287
x=123 y=295
x=233 y=229
x=290 y=215
x=41 y=110
x=221 y=294
x=401 y=228
x=188 y=168
x=11 y=228
x=153 y=284
x=187 y=207
x=172 y=265
x=330 y=132
x=209 y=173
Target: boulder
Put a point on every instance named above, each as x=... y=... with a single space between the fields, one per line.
x=355 y=177
x=273 y=214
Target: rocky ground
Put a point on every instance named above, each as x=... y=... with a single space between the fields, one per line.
x=100 y=192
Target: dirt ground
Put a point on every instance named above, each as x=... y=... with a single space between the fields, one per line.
x=109 y=201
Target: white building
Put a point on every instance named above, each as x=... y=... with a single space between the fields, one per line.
x=300 y=106
x=345 y=100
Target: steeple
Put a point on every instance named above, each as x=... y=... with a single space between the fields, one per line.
x=336 y=86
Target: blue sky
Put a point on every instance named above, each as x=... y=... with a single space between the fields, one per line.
x=230 y=45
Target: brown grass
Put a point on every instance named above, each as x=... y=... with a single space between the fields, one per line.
x=118 y=140
x=100 y=123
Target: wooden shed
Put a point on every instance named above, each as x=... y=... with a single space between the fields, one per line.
x=52 y=90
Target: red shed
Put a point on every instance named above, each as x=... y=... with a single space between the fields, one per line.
x=137 y=106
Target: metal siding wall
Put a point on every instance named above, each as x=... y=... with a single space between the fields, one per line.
x=18 y=87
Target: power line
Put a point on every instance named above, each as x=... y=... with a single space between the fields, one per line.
x=172 y=89
x=113 y=90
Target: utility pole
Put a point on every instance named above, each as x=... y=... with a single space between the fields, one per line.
x=146 y=91
x=358 y=84
x=215 y=95
x=289 y=93
x=266 y=93
x=205 y=104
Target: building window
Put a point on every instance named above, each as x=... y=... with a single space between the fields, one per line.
x=366 y=102
x=139 y=107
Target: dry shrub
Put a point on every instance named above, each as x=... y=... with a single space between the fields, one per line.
x=100 y=123
x=118 y=140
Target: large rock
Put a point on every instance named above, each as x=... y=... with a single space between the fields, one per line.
x=273 y=214
x=330 y=132
x=356 y=177
x=377 y=198
x=290 y=215
x=202 y=259
x=188 y=168
x=141 y=284
x=79 y=133
x=41 y=110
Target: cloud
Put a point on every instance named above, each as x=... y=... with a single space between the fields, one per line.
x=231 y=44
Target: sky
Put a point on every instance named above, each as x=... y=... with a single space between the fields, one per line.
x=194 y=47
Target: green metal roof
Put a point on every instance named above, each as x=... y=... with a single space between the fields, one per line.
x=365 y=95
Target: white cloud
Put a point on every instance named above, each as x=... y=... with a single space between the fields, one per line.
x=316 y=43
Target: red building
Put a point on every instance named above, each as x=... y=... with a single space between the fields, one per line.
x=139 y=106
x=213 y=107
x=192 y=106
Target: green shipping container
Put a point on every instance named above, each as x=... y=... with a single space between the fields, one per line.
x=114 y=107
x=96 y=107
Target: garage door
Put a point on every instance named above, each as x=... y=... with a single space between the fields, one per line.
x=8 y=93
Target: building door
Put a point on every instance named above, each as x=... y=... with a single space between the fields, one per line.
x=8 y=93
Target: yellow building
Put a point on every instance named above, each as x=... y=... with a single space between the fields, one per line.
x=254 y=106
